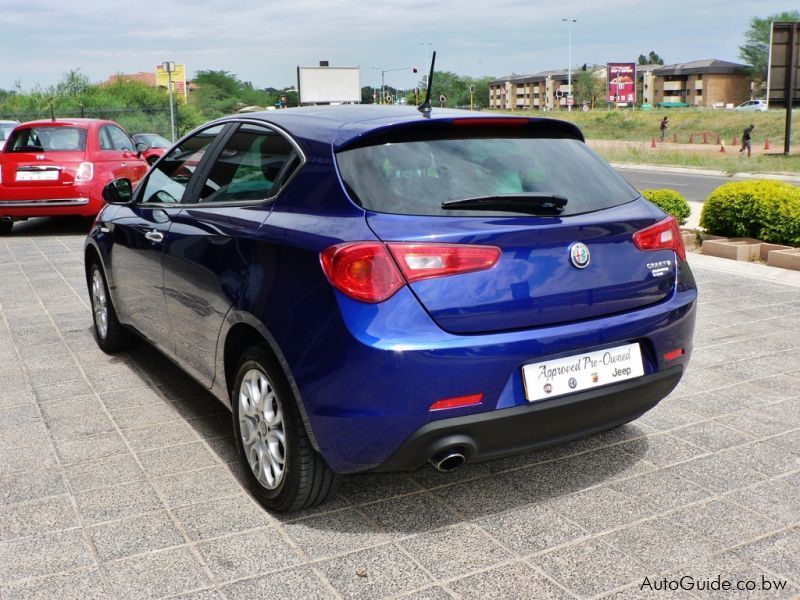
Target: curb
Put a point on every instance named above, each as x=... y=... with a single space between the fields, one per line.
x=745 y=269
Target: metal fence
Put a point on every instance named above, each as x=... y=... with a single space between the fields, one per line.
x=134 y=120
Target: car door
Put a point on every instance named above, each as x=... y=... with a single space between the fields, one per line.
x=213 y=251
x=130 y=165
x=139 y=232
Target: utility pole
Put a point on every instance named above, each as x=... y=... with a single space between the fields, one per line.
x=169 y=67
x=569 y=22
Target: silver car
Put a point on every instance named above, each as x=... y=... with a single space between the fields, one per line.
x=752 y=106
x=5 y=130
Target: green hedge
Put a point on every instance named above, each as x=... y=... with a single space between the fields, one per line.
x=671 y=202
x=761 y=209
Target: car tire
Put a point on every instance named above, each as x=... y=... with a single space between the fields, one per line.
x=111 y=335
x=283 y=470
x=6 y=227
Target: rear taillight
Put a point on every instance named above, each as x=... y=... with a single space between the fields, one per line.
x=362 y=270
x=425 y=261
x=85 y=172
x=372 y=272
x=664 y=235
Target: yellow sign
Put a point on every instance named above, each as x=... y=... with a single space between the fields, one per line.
x=178 y=79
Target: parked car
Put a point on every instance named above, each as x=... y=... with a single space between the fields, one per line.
x=156 y=145
x=59 y=167
x=752 y=106
x=369 y=288
x=6 y=127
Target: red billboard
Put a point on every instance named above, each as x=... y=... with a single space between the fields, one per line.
x=621 y=82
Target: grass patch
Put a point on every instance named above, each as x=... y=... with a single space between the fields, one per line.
x=642 y=125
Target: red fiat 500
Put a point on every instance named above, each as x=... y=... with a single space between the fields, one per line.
x=59 y=167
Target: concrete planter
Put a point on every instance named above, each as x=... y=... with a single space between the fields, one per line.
x=746 y=249
x=785 y=259
x=766 y=248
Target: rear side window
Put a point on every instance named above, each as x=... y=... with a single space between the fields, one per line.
x=416 y=177
x=48 y=139
x=250 y=168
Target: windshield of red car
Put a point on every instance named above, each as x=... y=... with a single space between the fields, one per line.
x=47 y=139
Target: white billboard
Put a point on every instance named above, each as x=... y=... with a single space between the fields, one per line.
x=318 y=85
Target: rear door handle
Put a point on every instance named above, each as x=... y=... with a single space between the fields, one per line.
x=154 y=236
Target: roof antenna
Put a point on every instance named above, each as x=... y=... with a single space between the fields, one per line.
x=52 y=112
x=425 y=107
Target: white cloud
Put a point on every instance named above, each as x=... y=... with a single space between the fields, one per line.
x=264 y=41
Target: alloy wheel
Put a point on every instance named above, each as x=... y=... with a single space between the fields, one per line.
x=99 y=303
x=262 y=428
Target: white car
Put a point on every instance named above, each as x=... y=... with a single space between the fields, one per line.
x=752 y=106
x=5 y=130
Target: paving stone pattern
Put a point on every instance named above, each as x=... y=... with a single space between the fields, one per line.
x=118 y=476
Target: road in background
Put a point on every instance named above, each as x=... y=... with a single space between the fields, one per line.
x=695 y=188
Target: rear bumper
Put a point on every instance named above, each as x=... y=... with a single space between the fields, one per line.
x=49 y=207
x=498 y=433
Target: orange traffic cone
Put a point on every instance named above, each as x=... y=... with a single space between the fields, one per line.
x=705 y=137
x=653 y=143
x=721 y=146
x=691 y=138
x=718 y=138
x=766 y=144
x=735 y=142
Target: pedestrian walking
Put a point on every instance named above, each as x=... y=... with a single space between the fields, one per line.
x=664 y=127
x=746 y=141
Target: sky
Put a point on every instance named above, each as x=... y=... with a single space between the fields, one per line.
x=265 y=41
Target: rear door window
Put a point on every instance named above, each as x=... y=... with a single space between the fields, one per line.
x=250 y=168
x=416 y=177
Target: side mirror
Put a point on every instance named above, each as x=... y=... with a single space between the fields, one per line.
x=118 y=191
x=141 y=148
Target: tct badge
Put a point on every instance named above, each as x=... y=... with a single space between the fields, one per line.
x=579 y=255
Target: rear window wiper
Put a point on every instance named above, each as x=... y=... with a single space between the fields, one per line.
x=532 y=203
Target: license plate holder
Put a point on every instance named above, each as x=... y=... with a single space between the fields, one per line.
x=581 y=372
x=49 y=175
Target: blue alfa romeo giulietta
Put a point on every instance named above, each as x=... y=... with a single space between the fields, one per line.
x=373 y=287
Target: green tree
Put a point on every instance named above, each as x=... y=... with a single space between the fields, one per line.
x=755 y=51
x=589 y=88
x=222 y=92
x=456 y=89
x=651 y=59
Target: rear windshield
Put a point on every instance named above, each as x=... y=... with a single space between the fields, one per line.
x=48 y=139
x=416 y=177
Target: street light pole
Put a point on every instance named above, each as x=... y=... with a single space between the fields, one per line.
x=426 y=47
x=169 y=67
x=383 y=74
x=569 y=22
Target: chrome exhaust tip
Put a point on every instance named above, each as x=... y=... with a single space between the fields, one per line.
x=448 y=460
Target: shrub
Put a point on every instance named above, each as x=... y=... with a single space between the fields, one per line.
x=761 y=209
x=671 y=202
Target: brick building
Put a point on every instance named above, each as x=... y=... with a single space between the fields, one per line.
x=707 y=83
x=704 y=83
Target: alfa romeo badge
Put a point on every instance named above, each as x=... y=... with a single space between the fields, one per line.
x=579 y=255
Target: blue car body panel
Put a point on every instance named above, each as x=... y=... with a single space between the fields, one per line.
x=367 y=374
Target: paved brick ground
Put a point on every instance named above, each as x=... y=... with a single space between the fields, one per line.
x=118 y=476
